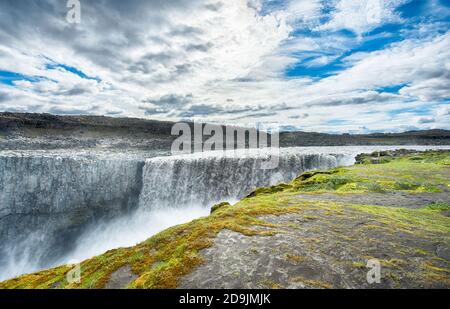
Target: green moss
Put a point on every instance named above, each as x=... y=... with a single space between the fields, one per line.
x=407 y=220
x=307 y=175
x=416 y=158
x=399 y=174
x=269 y=190
x=392 y=263
x=442 y=206
x=421 y=252
x=359 y=265
x=219 y=206
x=46 y=279
x=435 y=273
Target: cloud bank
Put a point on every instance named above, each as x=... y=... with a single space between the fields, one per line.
x=328 y=66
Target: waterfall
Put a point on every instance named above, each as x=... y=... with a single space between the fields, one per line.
x=46 y=200
x=205 y=178
x=49 y=200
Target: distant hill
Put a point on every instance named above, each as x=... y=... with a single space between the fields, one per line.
x=37 y=131
x=27 y=121
x=426 y=137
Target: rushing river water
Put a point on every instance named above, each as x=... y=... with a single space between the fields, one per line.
x=60 y=206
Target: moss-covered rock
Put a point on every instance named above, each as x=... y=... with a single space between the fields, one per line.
x=439 y=205
x=219 y=206
x=269 y=190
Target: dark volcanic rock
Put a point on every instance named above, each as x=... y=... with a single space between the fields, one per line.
x=45 y=131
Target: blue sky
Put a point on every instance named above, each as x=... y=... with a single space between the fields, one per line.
x=328 y=66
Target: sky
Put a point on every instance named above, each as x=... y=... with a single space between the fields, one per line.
x=336 y=66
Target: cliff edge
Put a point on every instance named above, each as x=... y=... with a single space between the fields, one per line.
x=318 y=231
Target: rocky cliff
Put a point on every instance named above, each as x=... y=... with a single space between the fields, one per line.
x=322 y=230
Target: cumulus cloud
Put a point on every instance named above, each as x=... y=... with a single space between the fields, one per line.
x=362 y=16
x=155 y=48
x=410 y=61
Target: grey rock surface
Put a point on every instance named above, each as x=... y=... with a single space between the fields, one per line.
x=392 y=199
x=316 y=250
x=121 y=278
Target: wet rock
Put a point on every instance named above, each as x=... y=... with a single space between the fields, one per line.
x=121 y=278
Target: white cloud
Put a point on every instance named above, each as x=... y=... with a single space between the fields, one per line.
x=304 y=11
x=363 y=15
x=409 y=62
x=443 y=111
x=171 y=52
x=430 y=90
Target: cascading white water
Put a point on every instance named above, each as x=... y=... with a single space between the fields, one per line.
x=205 y=178
x=47 y=199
